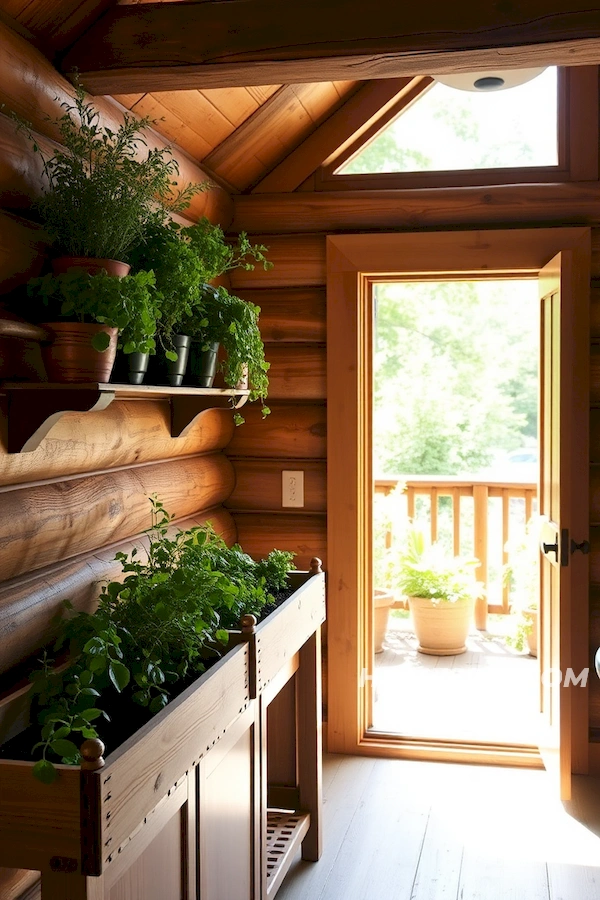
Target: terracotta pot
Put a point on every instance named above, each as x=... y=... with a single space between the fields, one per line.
x=382 y=602
x=65 y=264
x=71 y=359
x=441 y=628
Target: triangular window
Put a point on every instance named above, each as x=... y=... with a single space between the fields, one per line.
x=448 y=129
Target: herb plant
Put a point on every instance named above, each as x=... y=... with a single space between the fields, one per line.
x=152 y=629
x=101 y=197
x=129 y=304
x=428 y=571
x=221 y=317
x=183 y=260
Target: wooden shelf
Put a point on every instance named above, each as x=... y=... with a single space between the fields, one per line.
x=285 y=833
x=33 y=408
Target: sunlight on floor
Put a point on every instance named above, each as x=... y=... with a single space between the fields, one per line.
x=489 y=693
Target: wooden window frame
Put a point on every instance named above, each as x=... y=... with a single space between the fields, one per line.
x=577 y=149
x=354 y=262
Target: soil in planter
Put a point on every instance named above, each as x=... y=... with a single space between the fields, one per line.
x=126 y=717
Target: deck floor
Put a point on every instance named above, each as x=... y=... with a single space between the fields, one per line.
x=406 y=830
x=489 y=694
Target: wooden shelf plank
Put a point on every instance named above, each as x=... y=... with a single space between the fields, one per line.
x=29 y=421
x=285 y=832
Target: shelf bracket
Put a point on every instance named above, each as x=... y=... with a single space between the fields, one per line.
x=31 y=416
x=185 y=410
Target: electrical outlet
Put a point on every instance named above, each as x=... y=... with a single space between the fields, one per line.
x=292 y=488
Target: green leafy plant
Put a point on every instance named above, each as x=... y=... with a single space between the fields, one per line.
x=152 y=629
x=101 y=197
x=129 y=304
x=183 y=260
x=423 y=570
x=222 y=318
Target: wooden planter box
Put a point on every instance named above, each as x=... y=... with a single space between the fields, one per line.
x=180 y=810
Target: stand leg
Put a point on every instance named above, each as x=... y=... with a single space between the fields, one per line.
x=310 y=746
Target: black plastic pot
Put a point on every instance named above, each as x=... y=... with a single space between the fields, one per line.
x=202 y=365
x=172 y=372
x=130 y=367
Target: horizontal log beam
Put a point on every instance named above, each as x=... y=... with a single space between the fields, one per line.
x=177 y=46
x=31 y=87
x=290 y=314
x=127 y=433
x=291 y=431
x=45 y=524
x=302 y=533
x=31 y=605
x=410 y=210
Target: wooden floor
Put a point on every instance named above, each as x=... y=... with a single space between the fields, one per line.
x=405 y=830
x=490 y=693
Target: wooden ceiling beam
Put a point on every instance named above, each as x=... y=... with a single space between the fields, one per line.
x=572 y=203
x=371 y=107
x=234 y=157
x=180 y=46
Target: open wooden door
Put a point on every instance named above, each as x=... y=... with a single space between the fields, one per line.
x=563 y=505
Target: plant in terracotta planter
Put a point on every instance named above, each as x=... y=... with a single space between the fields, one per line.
x=100 y=196
x=153 y=631
x=441 y=591
x=110 y=310
x=183 y=260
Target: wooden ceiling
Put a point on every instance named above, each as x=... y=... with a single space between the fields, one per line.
x=257 y=137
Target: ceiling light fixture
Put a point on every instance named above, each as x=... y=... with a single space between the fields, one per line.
x=494 y=80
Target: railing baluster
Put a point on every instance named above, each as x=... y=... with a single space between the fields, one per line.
x=410 y=501
x=456 y=521
x=480 y=539
x=505 y=528
x=433 y=506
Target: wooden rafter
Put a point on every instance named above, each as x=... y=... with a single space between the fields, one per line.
x=370 y=108
x=233 y=157
x=187 y=45
x=349 y=120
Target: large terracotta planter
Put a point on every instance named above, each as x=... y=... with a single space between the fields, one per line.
x=64 y=264
x=441 y=628
x=382 y=602
x=71 y=358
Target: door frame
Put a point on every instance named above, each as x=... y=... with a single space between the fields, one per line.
x=354 y=262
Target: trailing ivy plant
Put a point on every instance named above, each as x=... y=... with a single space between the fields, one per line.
x=152 y=629
x=220 y=317
x=100 y=195
x=130 y=304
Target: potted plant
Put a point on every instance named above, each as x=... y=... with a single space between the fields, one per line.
x=220 y=318
x=89 y=316
x=184 y=260
x=521 y=573
x=441 y=591
x=98 y=201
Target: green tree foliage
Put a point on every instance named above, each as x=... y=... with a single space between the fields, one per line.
x=455 y=374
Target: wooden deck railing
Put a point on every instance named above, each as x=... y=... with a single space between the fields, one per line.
x=470 y=534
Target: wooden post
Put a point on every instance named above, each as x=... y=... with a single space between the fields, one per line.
x=480 y=539
x=309 y=749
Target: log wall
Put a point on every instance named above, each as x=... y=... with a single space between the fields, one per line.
x=66 y=507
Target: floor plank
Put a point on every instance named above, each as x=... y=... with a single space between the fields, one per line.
x=406 y=830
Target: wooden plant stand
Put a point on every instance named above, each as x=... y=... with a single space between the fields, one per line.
x=185 y=809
